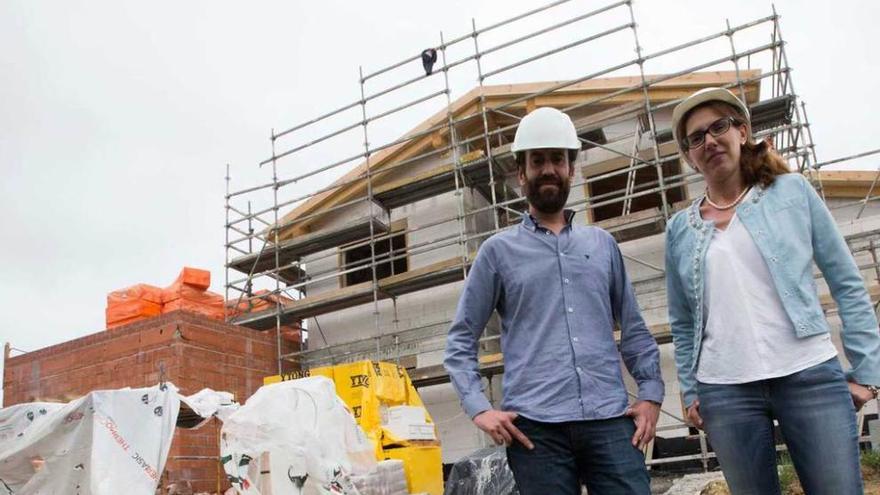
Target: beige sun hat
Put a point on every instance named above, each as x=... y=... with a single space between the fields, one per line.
x=700 y=97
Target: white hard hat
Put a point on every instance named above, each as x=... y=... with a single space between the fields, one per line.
x=545 y=127
x=700 y=97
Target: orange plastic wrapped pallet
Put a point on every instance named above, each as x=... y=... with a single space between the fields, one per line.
x=214 y=311
x=194 y=277
x=188 y=293
x=122 y=312
x=262 y=300
x=146 y=292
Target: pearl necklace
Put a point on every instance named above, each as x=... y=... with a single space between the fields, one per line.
x=727 y=206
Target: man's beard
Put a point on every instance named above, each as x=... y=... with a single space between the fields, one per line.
x=548 y=200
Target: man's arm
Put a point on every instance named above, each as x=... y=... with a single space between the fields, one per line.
x=479 y=298
x=482 y=288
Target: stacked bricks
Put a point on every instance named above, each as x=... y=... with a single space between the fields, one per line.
x=195 y=352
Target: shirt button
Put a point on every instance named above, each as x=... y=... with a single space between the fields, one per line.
x=580 y=369
x=575 y=339
x=566 y=280
x=571 y=310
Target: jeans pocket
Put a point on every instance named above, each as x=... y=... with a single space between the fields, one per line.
x=825 y=372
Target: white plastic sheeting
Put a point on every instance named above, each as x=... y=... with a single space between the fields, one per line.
x=484 y=472
x=388 y=478
x=302 y=434
x=208 y=403
x=105 y=443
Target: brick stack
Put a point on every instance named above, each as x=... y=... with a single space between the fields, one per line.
x=193 y=350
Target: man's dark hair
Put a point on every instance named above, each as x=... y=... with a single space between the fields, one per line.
x=521 y=159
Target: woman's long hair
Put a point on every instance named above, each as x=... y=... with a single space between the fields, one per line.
x=759 y=162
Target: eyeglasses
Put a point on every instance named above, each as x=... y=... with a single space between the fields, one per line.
x=696 y=139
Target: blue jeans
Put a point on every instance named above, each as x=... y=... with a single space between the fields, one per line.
x=818 y=422
x=596 y=453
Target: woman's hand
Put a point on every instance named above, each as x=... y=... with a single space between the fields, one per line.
x=693 y=414
x=860 y=395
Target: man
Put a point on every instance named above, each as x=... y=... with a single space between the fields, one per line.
x=559 y=290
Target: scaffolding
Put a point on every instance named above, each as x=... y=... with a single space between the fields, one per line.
x=337 y=222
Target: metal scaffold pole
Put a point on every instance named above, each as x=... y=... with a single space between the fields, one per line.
x=371 y=204
x=278 y=306
x=649 y=114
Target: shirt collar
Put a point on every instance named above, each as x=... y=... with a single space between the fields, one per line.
x=531 y=223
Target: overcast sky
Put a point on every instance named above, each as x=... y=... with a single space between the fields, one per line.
x=118 y=117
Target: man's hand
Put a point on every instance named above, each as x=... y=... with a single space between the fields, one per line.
x=499 y=426
x=693 y=414
x=645 y=414
x=860 y=395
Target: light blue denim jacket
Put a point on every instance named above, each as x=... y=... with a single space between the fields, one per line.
x=792 y=228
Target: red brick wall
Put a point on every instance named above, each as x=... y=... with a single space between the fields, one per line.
x=196 y=353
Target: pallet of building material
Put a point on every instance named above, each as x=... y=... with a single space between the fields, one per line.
x=369 y=388
x=388 y=478
x=125 y=312
x=404 y=426
x=146 y=292
x=211 y=309
x=193 y=277
x=189 y=293
x=260 y=301
x=423 y=467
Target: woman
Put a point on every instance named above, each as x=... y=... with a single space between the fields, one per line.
x=751 y=341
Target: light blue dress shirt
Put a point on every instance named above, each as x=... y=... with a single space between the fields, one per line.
x=560 y=299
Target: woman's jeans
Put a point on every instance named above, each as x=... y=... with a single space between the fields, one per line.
x=818 y=422
x=597 y=453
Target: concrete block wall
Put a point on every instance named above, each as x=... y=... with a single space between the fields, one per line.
x=457 y=433
x=196 y=353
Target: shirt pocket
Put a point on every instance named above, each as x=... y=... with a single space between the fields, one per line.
x=590 y=271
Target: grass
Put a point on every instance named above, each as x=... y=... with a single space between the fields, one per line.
x=871 y=463
x=790 y=485
x=788 y=479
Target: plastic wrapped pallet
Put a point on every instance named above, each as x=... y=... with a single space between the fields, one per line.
x=423 y=467
x=369 y=388
x=402 y=424
x=387 y=479
x=293 y=438
x=105 y=443
x=484 y=472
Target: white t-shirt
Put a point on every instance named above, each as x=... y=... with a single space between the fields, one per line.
x=748 y=336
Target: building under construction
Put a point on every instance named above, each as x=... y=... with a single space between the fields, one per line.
x=365 y=229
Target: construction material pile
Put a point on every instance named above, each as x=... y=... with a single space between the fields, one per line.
x=387 y=479
x=105 y=443
x=292 y=438
x=189 y=292
x=385 y=404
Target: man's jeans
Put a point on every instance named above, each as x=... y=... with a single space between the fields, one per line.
x=597 y=453
x=816 y=414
